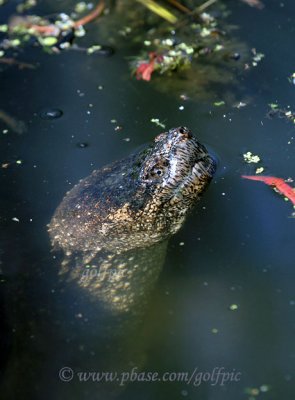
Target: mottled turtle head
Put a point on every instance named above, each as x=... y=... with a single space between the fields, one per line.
x=177 y=168
x=137 y=201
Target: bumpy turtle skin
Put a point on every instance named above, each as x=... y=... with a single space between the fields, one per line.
x=113 y=224
x=135 y=202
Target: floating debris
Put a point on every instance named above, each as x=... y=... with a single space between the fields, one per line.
x=170 y=58
x=51 y=113
x=53 y=36
x=82 y=145
x=219 y=103
x=259 y=170
x=82 y=7
x=197 y=34
x=101 y=50
x=273 y=106
x=252 y=391
x=145 y=69
x=249 y=158
x=292 y=78
x=118 y=127
x=157 y=122
x=48 y=41
x=239 y=105
x=26 y=5
x=184 y=97
x=233 y=307
x=279 y=112
x=254 y=3
x=257 y=57
x=264 y=388
x=278 y=183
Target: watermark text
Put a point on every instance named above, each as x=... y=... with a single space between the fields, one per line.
x=217 y=376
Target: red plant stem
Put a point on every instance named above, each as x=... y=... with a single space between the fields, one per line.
x=278 y=183
x=90 y=17
x=51 y=29
x=43 y=28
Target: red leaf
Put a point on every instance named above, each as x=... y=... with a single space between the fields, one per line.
x=144 y=70
x=278 y=183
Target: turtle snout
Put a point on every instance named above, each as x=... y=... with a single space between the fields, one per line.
x=184 y=132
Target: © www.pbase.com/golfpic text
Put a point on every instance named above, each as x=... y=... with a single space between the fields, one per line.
x=217 y=376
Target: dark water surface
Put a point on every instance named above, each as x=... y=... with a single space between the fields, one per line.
x=238 y=244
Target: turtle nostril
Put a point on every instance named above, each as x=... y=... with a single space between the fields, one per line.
x=186 y=132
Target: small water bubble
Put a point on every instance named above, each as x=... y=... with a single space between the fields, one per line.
x=235 y=56
x=82 y=145
x=51 y=113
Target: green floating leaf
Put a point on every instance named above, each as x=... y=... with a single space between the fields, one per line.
x=219 y=103
x=48 y=41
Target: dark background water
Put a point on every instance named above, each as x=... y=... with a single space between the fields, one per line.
x=238 y=244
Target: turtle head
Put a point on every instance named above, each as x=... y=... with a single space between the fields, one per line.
x=178 y=167
x=137 y=201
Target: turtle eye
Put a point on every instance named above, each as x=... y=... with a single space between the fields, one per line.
x=157 y=170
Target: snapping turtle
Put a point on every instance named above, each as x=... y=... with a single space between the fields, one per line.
x=113 y=225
